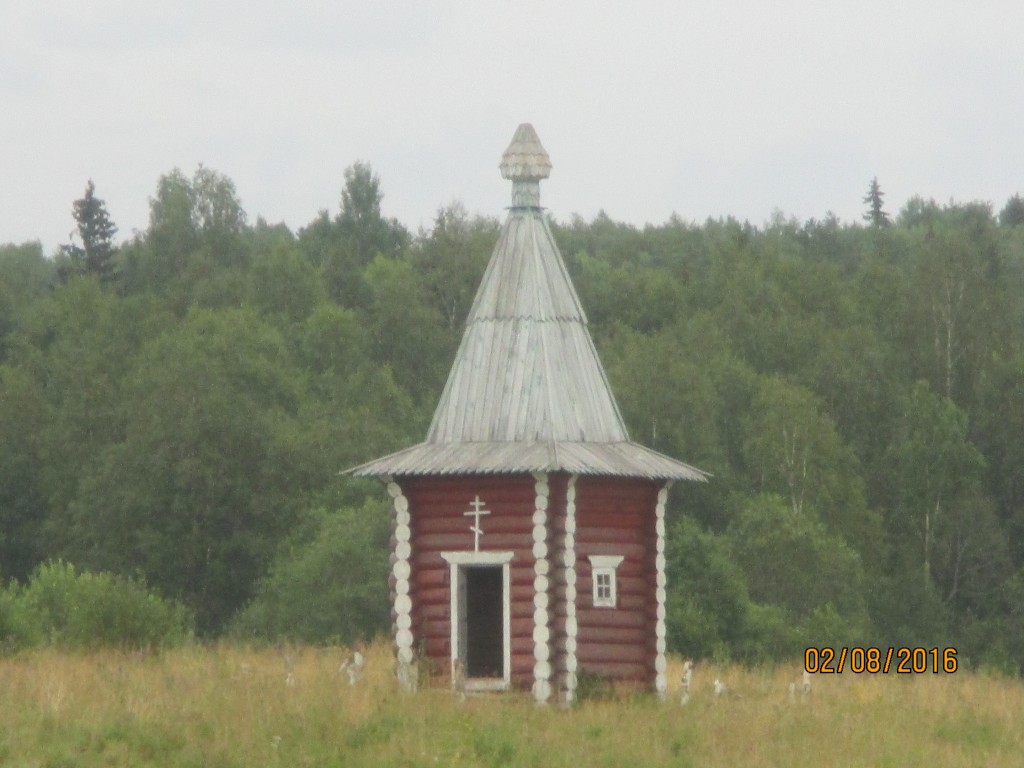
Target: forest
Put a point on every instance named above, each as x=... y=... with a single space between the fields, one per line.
x=176 y=409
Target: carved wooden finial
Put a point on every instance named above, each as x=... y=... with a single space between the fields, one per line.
x=525 y=163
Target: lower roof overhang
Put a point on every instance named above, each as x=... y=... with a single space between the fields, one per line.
x=619 y=459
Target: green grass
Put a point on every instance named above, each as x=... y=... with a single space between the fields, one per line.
x=228 y=706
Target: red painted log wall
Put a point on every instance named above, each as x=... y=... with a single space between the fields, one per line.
x=614 y=516
x=438 y=525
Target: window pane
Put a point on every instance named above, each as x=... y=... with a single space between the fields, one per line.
x=603 y=587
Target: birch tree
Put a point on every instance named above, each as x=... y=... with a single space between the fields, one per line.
x=936 y=469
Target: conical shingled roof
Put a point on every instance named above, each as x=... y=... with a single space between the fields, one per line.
x=527 y=392
x=527 y=369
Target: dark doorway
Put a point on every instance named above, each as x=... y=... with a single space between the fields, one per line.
x=485 y=654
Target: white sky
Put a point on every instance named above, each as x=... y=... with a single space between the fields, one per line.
x=646 y=108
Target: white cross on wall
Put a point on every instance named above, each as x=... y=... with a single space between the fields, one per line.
x=476 y=512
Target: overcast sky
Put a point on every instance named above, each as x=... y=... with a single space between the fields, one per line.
x=646 y=108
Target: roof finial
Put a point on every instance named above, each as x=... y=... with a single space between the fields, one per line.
x=525 y=163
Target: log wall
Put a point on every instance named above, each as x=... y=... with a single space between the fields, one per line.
x=615 y=516
x=439 y=525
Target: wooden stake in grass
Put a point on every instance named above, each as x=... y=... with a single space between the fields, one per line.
x=805 y=686
x=459 y=680
x=354 y=665
x=684 y=696
x=289 y=667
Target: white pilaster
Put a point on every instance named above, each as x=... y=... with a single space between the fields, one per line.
x=401 y=569
x=569 y=563
x=660 y=663
x=541 y=630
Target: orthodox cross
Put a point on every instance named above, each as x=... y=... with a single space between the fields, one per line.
x=476 y=512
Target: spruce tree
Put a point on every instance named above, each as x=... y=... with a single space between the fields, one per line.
x=95 y=255
x=873 y=198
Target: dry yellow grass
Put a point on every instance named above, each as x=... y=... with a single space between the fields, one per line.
x=229 y=706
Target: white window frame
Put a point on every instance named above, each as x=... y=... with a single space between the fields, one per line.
x=605 y=565
x=456 y=561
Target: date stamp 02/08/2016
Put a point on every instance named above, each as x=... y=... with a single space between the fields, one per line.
x=904 y=661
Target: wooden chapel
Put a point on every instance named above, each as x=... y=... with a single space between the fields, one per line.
x=529 y=530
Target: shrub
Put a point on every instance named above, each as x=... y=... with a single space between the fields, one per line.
x=84 y=611
x=708 y=604
x=17 y=628
x=770 y=635
x=329 y=582
x=825 y=626
x=792 y=561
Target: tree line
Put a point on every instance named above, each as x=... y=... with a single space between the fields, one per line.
x=176 y=407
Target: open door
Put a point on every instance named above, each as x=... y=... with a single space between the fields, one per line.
x=482 y=620
x=461 y=626
x=480 y=617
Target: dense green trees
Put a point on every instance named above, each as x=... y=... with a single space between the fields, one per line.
x=358 y=234
x=1012 y=214
x=181 y=411
x=330 y=580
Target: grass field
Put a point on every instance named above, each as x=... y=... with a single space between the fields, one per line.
x=228 y=706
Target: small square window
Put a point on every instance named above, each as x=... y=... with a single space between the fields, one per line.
x=603 y=576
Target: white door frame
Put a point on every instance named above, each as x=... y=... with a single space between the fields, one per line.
x=456 y=561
